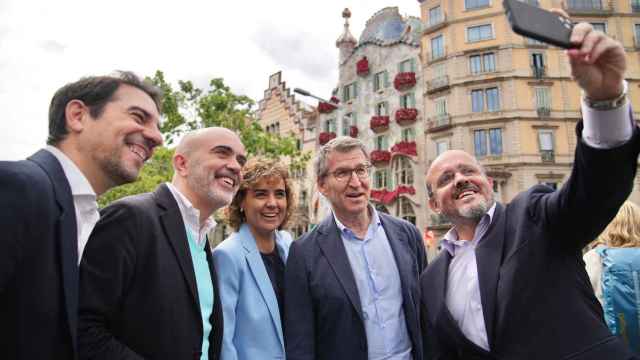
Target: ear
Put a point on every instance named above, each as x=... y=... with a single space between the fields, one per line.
x=490 y=180
x=434 y=205
x=76 y=113
x=180 y=165
x=322 y=186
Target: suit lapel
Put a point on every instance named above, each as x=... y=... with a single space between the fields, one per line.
x=174 y=228
x=436 y=302
x=67 y=234
x=216 y=318
x=333 y=249
x=489 y=258
x=254 y=259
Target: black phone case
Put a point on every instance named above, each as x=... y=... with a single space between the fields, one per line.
x=539 y=24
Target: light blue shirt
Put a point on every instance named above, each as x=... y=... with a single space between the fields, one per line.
x=378 y=281
x=205 y=288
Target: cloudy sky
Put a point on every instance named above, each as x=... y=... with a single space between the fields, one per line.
x=44 y=44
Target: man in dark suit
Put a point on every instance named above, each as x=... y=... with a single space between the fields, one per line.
x=351 y=284
x=101 y=130
x=148 y=287
x=510 y=282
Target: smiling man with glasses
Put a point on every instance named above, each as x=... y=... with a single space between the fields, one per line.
x=357 y=271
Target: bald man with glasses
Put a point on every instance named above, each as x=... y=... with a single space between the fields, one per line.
x=351 y=284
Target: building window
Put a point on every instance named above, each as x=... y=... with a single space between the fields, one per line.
x=441 y=146
x=381 y=142
x=479 y=33
x=490 y=137
x=635 y=5
x=330 y=125
x=482 y=63
x=298 y=144
x=439 y=70
x=476 y=4
x=381 y=179
x=492 y=97
x=585 y=5
x=404 y=171
x=636 y=27
x=380 y=80
x=437 y=47
x=543 y=100
x=348 y=121
x=441 y=106
x=408 y=101
x=350 y=91
x=545 y=140
x=382 y=109
x=406 y=211
x=599 y=26
x=408 y=134
x=408 y=65
x=435 y=15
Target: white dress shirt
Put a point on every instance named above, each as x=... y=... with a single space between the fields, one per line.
x=84 y=198
x=191 y=216
x=603 y=130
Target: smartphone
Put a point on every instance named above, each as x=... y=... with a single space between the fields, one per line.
x=539 y=24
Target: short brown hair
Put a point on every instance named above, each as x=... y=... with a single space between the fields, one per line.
x=256 y=169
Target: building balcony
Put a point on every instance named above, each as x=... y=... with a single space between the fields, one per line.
x=325 y=107
x=353 y=131
x=380 y=157
x=325 y=137
x=406 y=116
x=379 y=124
x=408 y=148
x=437 y=84
x=439 y=123
x=435 y=24
x=362 y=67
x=588 y=7
x=387 y=197
x=547 y=156
x=404 y=81
x=539 y=72
x=635 y=7
x=543 y=111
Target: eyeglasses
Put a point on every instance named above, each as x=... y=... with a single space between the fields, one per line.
x=343 y=175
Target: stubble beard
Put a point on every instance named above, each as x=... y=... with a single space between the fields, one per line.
x=204 y=184
x=472 y=213
x=116 y=170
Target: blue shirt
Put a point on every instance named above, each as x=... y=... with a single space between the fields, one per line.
x=378 y=281
x=205 y=288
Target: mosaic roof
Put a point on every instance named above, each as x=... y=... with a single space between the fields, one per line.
x=387 y=26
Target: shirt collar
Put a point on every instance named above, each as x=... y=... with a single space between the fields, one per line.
x=77 y=181
x=375 y=219
x=450 y=240
x=190 y=214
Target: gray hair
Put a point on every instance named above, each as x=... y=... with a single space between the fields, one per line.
x=341 y=144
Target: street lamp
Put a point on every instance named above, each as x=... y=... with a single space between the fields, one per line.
x=304 y=92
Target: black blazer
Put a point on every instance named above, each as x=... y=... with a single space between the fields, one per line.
x=536 y=296
x=323 y=316
x=138 y=294
x=38 y=260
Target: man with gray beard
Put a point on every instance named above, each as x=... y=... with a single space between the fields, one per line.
x=510 y=282
x=148 y=287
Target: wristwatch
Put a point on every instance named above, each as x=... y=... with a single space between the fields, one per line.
x=609 y=104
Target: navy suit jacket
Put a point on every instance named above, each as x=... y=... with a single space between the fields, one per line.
x=536 y=297
x=38 y=260
x=138 y=293
x=323 y=315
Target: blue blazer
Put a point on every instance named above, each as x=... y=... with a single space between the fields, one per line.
x=252 y=328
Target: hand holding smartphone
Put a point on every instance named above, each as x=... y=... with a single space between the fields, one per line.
x=539 y=24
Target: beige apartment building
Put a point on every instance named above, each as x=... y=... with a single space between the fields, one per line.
x=507 y=99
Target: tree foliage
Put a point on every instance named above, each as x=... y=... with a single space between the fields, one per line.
x=188 y=108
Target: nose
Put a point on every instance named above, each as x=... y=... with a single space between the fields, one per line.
x=460 y=179
x=152 y=135
x=234 y=165
x=271 y=201
x=354 y=180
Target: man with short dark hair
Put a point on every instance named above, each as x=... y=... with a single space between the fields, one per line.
x=351 y=284
x=101 y=131
x=148 y=286
x=510 y=282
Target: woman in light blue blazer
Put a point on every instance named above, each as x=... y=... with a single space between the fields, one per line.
x=251 y=263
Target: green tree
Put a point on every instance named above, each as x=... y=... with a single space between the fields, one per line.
x=188 y=108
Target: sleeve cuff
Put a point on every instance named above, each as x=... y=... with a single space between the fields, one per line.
x=607 y=129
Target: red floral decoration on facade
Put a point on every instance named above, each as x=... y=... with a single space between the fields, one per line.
x=325 y=108
x=406 y=116
x=380 y=157
x=325 y=137
x=362 y=67
x=379 y=123
x=334 y=100
x=406 y=148
x=386 y=197
x=353 y=131
x=404 y=81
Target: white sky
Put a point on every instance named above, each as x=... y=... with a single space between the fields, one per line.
x=47 y=43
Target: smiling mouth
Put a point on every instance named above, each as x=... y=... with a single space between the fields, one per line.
x=140 y=151
x=228 y=181
x=271 y=215
x=354 y=196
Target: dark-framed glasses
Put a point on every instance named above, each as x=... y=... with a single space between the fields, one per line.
x=343 y=175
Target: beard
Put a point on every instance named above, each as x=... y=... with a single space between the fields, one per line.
x=475 y=212
x=116 y=170
x=204 y=184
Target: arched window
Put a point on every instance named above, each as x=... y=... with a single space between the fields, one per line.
x=403 y=171
x=405 y=210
